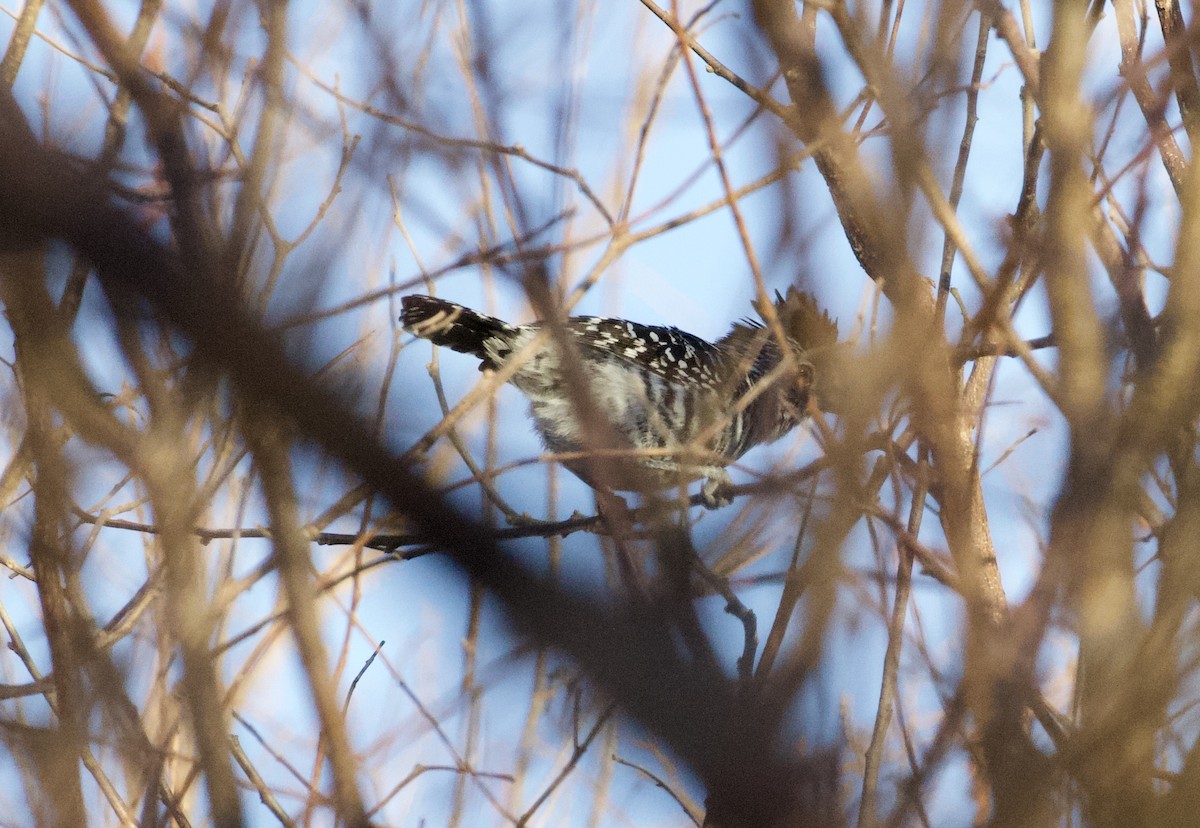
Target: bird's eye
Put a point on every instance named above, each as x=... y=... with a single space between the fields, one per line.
x=804 y=374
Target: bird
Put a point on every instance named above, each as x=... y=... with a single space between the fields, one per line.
x=688 y=407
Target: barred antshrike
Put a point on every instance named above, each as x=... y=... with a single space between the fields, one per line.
x=697 y=405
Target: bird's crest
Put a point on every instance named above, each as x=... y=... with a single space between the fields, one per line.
x=804 y=323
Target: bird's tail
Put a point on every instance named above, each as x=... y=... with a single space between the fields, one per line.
x=451 y=325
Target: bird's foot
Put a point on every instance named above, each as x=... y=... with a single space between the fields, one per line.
x=711 y=492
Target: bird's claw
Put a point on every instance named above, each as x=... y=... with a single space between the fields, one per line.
x=711 y=492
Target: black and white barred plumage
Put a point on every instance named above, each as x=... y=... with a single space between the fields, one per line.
x=658 y=387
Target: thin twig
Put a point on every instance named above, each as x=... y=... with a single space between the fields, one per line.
x=580 y=749
x=256 y=781
x=659 y=783
x=360 y=674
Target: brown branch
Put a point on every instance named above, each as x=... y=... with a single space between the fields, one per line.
x=1183 y=72
x=525 y=528
x=292 y=561
x=993 y=349
x=1152 y=104
x=256 y=781
x=971 y=117
x=28 y=307
x=875 y=241
x=19 y=42
x=873 y=758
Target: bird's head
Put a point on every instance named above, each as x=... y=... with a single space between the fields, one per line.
x=814 y=338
